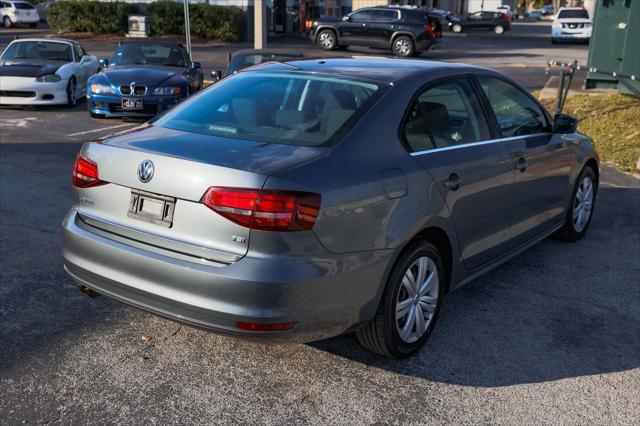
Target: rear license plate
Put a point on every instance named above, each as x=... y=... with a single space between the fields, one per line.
x=132 y=103
x=152 y=208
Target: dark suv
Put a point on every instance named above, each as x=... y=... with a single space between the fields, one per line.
x=404 y=31
x=493 y=21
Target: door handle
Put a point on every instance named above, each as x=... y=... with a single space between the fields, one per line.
x=453 y=182
x=522 y=164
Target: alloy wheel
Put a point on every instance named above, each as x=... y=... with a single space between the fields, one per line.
x=498 y=29
x=583 y=204
x=71 y=95
x=417 y=299
x=402 y=47
x=327 y=40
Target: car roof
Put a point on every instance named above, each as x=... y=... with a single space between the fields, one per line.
x=385 y=70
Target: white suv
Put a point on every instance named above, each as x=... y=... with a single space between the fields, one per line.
x=571 y=23
x=18 y=12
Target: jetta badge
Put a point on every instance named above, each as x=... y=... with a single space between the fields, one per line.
x=145 y=171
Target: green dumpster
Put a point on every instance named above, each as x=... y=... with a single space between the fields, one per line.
x=615 y=46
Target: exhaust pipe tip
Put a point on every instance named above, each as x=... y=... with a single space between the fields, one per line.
x=89 y=292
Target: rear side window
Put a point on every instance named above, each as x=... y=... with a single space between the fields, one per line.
x=23 y=6
x=446 y=114
x=275 y=108
x=385 y=15
x=516 y=112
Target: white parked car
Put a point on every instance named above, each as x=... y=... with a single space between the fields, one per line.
x=44 y=72
x=571 y=23
x=18 y=12
x=506 y=10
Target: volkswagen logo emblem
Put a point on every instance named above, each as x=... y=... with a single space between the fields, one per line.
x=145 y=171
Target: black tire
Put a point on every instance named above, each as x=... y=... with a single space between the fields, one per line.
x=33 y=25
x=96 y=116
x=327 y=39
x=6 y=22
x=554 y=41
x=403 y=47
x=381 y=334
x=570 y=232
x=72 y=98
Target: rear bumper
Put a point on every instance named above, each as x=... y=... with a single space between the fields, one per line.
x=325 y=295
x=426 y=45
x=22 y=19
x=111 y=105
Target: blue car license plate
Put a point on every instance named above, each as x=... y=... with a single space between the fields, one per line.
x=131 y=103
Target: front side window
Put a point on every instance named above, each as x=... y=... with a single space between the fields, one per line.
x=446 y=114
x=385 y=15
x=516 y=112
x=293 y=109
x=79 y=52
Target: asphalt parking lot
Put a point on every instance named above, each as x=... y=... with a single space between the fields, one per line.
x=552 y=336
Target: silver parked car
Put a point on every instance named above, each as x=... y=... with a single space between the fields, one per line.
x=298 y=201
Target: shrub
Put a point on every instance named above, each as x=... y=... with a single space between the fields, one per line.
x=89 y=16
x=224 y=23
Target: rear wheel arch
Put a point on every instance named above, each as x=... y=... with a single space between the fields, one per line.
x=440 y=239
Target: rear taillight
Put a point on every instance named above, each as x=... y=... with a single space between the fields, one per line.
x=85 y=173
x=428 y=28
x=265 y=210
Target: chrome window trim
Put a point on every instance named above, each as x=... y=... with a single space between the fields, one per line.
x=486 y=142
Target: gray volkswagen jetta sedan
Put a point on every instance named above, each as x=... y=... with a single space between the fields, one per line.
x=298 y=201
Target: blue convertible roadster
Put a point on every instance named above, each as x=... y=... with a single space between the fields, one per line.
x=142 y=80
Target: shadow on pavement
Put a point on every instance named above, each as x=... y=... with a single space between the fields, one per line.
x=557 y=311
x=39 y=303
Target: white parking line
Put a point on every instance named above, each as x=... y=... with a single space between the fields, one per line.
x=101 y=129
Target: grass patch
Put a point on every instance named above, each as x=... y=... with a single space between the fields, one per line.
x=613 y=122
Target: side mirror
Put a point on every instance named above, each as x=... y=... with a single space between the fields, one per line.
x=216 y=75
x=563 y=123
x=103 y=62
x=196 y=65
x=346 y=18
x=85 y=59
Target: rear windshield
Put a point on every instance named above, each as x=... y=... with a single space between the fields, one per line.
x=573 y=14
x=23 y=6
x=282 y=108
